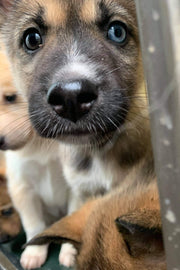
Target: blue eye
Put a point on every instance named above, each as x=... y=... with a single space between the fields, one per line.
x=118 y=32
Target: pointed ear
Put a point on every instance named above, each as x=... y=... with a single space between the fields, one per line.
x=142 y=232
x=69 y=229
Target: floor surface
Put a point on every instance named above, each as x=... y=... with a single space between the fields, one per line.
x=13 y=249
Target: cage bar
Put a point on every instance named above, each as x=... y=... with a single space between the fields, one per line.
x=159 y=22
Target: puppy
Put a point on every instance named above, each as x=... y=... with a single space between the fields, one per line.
x=78 y=65
x=10 y=224
x=15 y=128
x=121 y=230
x=35 y=180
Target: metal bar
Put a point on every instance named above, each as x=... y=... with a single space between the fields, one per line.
x=159 y=23
x=5 y=264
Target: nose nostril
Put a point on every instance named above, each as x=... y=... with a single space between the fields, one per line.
x=86 y=98
x=86 y=101
x=55 y=99
x=58 y=109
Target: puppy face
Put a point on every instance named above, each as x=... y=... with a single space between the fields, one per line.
x=10 y=224
x=14 y=124
x=119 y=232
x=77 y=62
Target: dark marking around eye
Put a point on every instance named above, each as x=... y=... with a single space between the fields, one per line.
x=105 y=16
x=38 y=19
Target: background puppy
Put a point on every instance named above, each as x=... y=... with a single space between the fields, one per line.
x=120 y=231
x=10 y=224
x=78 y=65
x=15 y=128
x=35 y=181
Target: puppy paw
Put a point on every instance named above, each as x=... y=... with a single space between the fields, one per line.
x=67 y=255
x=34 y=257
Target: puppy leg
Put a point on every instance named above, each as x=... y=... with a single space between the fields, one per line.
x=34 y=256
x=67 y=255
x=68 y=252
x=30 y=209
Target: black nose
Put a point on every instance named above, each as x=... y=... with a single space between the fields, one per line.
x=72 y=100
x=2 y=143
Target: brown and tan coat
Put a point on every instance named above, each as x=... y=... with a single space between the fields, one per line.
x=78 y=65
x=120 y=231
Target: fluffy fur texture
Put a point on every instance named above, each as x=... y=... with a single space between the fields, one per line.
x=35 y=180
x=110 y=144
x=103 y=147
x=10 y=224
x=120 y=231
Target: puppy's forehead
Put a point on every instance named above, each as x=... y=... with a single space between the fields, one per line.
x=59 y=12
x=53 y=12
x=91 y=10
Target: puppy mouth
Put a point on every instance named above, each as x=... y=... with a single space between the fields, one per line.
x=84 y=135
x=87 y=132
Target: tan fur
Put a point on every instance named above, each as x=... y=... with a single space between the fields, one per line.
x=88 y=11
x=53 y=18
x=2 y=164
x=10 y=117
x=6 y=77
x=93 y=231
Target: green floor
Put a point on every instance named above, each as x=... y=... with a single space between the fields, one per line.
x=13 y=250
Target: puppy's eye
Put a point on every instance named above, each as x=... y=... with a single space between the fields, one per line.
x=118 y=32
x=32 y=39
x=10 y=98
x=7 y=212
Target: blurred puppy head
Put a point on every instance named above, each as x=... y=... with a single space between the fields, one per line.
x=15 y=128
x=10 y=224
x=78 y=63
x=119 y=232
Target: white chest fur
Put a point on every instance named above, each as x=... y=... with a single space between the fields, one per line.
x=94 y=177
